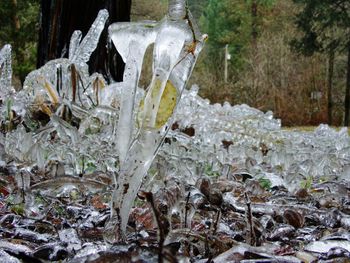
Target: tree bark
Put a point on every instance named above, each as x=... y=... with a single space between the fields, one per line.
x=347 y=92
x=330 y=86
x=60 y=18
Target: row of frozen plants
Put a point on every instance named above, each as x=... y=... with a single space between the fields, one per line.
x=68 y=119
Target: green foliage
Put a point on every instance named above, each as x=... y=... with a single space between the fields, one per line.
x=324 y=24
x=263 y=3
x=307 y=183
x=232 y=22
x=18 y=209
x=8 y=109
x=197 y=8
x=90 y=167
x=226 y=25
x=265 y=183
x=209 y=171
x=21 y=35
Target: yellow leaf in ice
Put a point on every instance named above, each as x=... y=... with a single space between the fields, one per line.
x=166 y=106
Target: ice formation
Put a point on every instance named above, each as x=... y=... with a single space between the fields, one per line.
x=242 y=140
x=5 y=72
x=63 y=81
x=177 y=43
x=80 y=51
x=66 y=123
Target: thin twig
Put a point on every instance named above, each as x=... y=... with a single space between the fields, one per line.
x=251 y=238
x=216 y=223
x=187 y=208
x=162 y=222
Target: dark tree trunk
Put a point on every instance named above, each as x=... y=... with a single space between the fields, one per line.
x=60 y=18
x=347 y=92
x=330 y=86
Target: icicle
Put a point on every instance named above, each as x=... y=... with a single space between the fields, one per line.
x=131 y=41
x=126 y=116
x=89 y=43
x=74 y=43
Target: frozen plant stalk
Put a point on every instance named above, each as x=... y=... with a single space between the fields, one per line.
x=126 y=37
x=5 y=73
x=177 y=43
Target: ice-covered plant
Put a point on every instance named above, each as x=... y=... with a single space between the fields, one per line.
x=59 y=87
x=5 y=72
x=177 y=43
x=63 y=89
x=6 y=89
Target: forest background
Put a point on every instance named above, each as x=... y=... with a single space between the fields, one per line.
x=288 y=56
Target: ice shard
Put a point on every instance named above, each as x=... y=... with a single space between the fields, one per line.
x=6 y=88
x=81 y=52
x=176 y=46
x=74 y=44
x=127 y=106
x=133 y=37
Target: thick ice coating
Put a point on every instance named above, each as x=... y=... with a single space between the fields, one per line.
x=6 y=88
x=68 y=124
x=176 y=45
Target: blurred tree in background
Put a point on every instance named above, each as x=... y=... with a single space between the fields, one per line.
x=226 y=22
x=325 y=26
x=264 y=71
x=18 y=24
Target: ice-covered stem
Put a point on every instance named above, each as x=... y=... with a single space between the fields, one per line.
x=5 y=72
x=131 y=41
x=127 y=105
x=177 y=44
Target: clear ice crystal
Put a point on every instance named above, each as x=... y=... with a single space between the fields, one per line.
x=60 y=88
x=67 y=78
x=81 y=52
x=127 y=106
x=126 y=38
x=74 y=43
